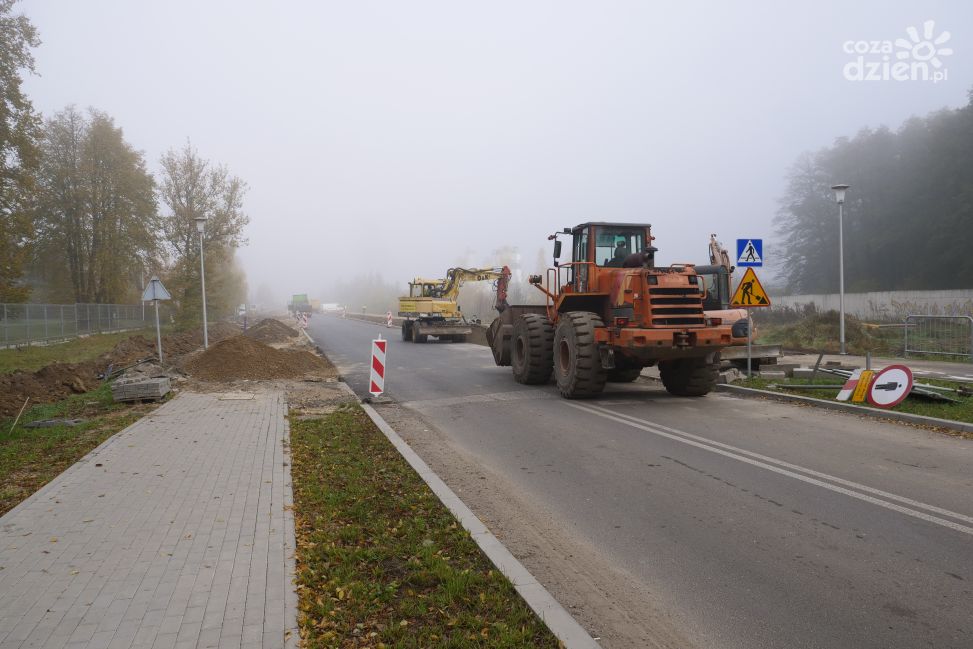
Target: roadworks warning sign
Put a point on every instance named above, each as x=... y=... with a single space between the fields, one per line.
x=750 y=293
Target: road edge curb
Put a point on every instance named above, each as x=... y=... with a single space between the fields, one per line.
x=561 y=623
x=292 y=632
x=902 y=417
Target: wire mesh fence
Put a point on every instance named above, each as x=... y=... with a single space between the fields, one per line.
x=939 y=335
x=27 y=324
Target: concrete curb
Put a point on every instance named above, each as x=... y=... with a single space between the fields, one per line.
x=548 y=609
x=557 y=619
x=754 y=393
x=291 y=603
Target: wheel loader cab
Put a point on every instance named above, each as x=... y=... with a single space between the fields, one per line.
x=608 y=244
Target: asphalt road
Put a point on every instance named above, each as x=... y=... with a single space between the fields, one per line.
x=758 y=524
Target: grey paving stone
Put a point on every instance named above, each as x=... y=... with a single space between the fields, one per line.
x=180 y=538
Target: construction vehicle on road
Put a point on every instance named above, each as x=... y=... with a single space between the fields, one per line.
x=718 y=291
x=610 y=312
x=299 y=304
x=431 y=308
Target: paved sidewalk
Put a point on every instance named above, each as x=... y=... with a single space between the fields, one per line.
x=177 y=532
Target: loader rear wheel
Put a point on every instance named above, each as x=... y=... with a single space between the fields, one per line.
x=532 y=357
x=577 y=365
x=406 y=330
x=623 y=375
x=690 y=377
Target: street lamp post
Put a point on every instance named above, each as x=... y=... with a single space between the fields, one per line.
x=839 y=194
x=200 y=227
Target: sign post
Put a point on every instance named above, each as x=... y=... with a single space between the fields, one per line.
x=750 y=294
x=155 y=291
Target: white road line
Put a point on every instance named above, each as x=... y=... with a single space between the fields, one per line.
x=713 y=447
x=798 y=467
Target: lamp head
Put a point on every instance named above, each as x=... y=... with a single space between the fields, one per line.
x=200 y=224
x=839 y=192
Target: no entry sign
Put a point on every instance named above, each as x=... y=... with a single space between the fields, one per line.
x=376 y=379
x=890 y=386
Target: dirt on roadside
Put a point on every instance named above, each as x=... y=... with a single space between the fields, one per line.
x=241 y=357
x=59 y=380
x=269 y=331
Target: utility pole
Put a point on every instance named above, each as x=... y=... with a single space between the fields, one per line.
x=839 y=193
x=201 y=227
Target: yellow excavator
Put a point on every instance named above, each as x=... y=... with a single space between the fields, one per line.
x=430 y=309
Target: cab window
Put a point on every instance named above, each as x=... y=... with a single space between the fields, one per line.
x=613 y=244
x=581 y=246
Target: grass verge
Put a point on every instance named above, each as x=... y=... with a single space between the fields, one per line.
x=962 y=411
x=73 y=351
x=31 y=457
x=381 y=562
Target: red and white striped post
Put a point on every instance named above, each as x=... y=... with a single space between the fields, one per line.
x=376 y=382
x=388 y=319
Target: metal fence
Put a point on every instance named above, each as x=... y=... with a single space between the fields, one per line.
x=939 y=335
x=27 y=324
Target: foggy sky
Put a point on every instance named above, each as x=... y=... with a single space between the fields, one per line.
x=402 y=137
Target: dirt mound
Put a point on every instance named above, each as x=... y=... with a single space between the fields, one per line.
x=49 y=383
x=241 y=357
x=59 y=380
x=269 y=330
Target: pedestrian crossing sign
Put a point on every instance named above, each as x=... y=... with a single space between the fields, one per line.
x=750 y=293
x=750 y=253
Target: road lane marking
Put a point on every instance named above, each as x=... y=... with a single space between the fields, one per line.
x=798 y=467
x=741 y=455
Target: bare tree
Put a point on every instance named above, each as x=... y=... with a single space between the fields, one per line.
x=192 y=187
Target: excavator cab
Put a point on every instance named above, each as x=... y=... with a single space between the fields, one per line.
x=716 y=287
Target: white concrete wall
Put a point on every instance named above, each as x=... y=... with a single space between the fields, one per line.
x=887 y=305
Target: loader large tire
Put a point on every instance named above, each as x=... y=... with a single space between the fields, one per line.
x=690 y=377
x=623 y=375
x=577 y=365
x=532 y=356
x=406 y=330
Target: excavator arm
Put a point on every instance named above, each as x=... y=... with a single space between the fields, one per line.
x=718 y=255
x=456 y=277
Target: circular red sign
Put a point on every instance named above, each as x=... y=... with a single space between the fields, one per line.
x=890 y=386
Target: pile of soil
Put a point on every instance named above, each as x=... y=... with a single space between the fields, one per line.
x=59 y=380
x=241 y=357
x=269 y=330
x=138 y=347
x=46 y=384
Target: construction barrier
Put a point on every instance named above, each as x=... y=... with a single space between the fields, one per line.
x=376 y=379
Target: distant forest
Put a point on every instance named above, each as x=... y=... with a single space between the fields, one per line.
x=908 y=218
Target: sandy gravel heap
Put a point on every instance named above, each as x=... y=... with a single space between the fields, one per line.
x=241 y=357
x=269 y=330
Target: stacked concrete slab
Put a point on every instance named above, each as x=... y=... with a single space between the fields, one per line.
x=142 y=389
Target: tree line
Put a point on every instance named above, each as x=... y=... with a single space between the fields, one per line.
x=82 y=219
x=908 y=216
